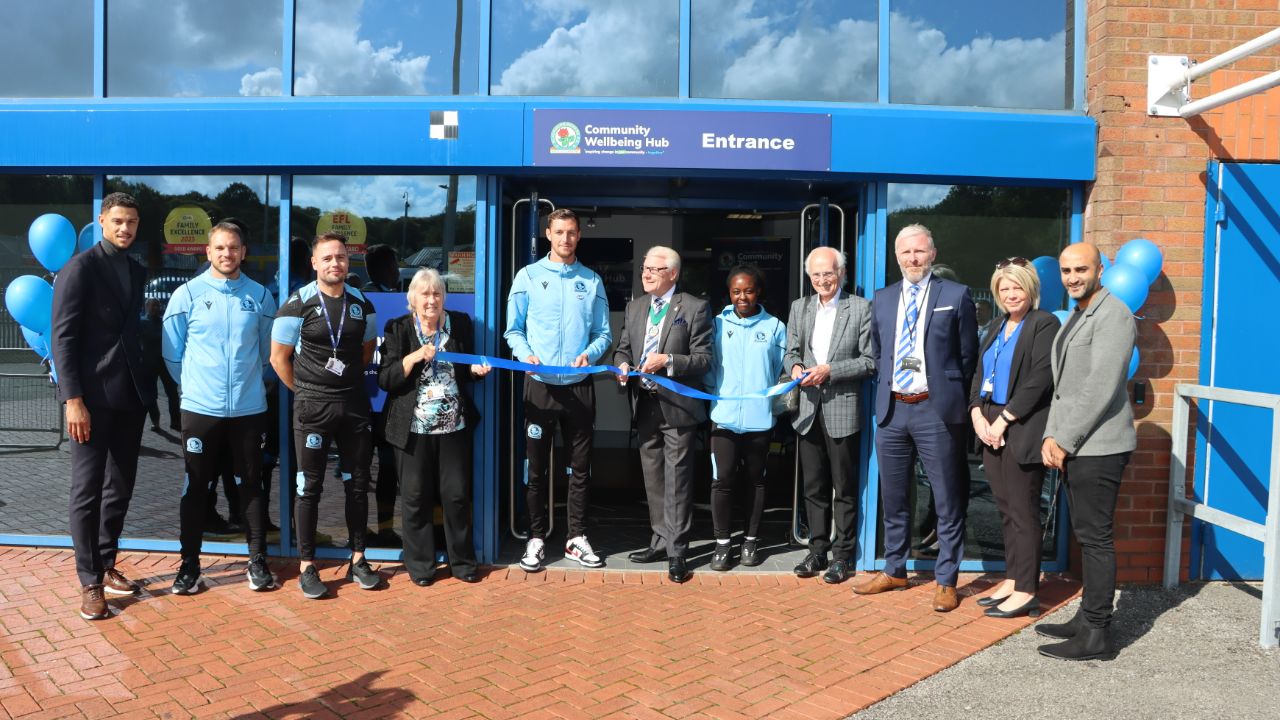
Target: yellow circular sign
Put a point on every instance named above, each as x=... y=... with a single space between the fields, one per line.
x=186 y=230
x=347 y=224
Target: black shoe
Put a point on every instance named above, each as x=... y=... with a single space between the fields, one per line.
x=676 y=570
x=1061 y=631
x=215 y=524
x=365 y=575
x=469 y=577
x=188 y=580
x=720 y=558
x=990 y=601
x=811 y=565
x=259 y=574
x=837 y=573
x=750 y=553
x=1090 y=643
x=387 y=539
x=1030 y=608
x=424 y=581
x=647 y=555
x=311 y=585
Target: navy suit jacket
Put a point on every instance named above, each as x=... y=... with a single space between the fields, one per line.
x=95 y=334
x=950 y=347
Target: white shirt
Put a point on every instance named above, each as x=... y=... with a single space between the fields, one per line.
x=824 y=323
x=919 y=379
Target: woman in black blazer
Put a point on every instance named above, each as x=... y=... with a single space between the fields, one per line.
x=1009 y=406
x=429 y=421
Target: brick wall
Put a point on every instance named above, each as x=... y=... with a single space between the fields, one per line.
x=1151 y=183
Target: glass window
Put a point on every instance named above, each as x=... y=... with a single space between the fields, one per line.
x=974 y=227
x=51 y=54
x=784 y=50
x=586 y=47
x=999 y=53
x=192 y=48
x=386 y=47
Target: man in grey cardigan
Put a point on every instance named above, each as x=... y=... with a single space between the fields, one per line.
x=1089 y=437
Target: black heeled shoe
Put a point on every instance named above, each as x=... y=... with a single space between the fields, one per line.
x=991 y=601
x=1030 y=608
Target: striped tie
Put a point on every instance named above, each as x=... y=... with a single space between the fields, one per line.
x=902 y=377
x=651 y=339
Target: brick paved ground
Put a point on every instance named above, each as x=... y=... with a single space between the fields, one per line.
x=563 y=644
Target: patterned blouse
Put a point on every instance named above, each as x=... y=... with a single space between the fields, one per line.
x=439 y=407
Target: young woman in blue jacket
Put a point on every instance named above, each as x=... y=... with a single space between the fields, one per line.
x=749 y=343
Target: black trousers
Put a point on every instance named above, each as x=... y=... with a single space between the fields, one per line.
x=1017 y=491
x=666 y=459
x=103 y=471
x=316 y=423
x=431 y=466
x=826 y=463
x=171 y=395
x=204 y=440
x=1093 y=484
x=573 y=409
x=387 y=487
x=736 y=456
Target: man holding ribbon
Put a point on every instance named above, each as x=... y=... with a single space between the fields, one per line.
x=558 y=314
x=924 y=334
x=321 y=342
x=667 y=333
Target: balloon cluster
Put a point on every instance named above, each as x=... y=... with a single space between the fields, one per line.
x=1137 y=265
x=29 y=298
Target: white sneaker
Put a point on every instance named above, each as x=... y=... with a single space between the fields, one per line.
x=533 y=554
x=579 y=549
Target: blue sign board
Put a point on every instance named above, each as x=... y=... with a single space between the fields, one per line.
x=568 y=137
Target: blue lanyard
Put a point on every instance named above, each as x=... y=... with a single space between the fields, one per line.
x=334 y=338
x=995 y=358
x=422 y=339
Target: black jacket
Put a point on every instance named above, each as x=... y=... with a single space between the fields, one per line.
x=1030 y=383
x=400 y=338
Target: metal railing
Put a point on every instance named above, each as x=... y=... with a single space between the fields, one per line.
x=30 y=414
x=1180 y=507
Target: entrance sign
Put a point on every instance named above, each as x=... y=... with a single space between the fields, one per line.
x=347 y=224
x=682 y=139
x=186 y=231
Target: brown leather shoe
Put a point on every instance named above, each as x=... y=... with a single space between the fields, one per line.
x=114 y=582
x=945 y=599
x=880 y=583
x=93 y=604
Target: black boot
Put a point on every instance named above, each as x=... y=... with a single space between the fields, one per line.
x=1088 y=644
x=1061 y=631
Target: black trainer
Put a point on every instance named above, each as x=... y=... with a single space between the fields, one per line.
x=750 y=552
x=365 y=575
x=259 y=574
x=720 y=558
x=309 y=582
x=188 y=580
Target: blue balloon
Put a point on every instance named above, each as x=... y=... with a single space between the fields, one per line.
x=30 y=302
x=1127 y=283
x=1133 y=363
x=1050 y=275
x=53 y=240
x=36 y=341
x=1106 y=262
x=1062 y=315
x=1144 y=255
x=89 y=236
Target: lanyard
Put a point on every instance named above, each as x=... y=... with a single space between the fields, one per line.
x=334 y=338
x=911 y=329
x=422 y=339
x=656 y=318
x=999 y=344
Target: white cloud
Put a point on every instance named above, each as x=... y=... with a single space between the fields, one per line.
x=333 y=60
x=378 y=195
x=620 y=48
x=902 y=196
x=814 y=63
x=265 y=83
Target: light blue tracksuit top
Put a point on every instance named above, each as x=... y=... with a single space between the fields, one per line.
x=747 y=358
x=557 y=312
x=217 y=344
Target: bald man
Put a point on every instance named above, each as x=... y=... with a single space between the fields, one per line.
x=1089 y=437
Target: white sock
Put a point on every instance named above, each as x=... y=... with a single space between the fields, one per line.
x=722 y=542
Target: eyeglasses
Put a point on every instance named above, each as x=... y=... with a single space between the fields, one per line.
x=647 y=270
x=1019 y=261
x=820 y=276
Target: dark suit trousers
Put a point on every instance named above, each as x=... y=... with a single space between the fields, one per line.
x=666 y=458
x=1017 y=491
x=918 y=430
x=103 y=471
x=1093 y=484
x=827 y=464
x=434 y=465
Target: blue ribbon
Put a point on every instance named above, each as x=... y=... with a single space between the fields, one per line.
x=666 y=382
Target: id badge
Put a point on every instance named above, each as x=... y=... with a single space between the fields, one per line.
x=911 y=363
x=435 y=392
x=335 y=366
x=988 y=387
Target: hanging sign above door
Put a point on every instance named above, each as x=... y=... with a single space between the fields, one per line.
x=567 y=137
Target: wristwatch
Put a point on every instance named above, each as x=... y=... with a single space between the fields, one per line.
x=670 y=362
x=1007 y=417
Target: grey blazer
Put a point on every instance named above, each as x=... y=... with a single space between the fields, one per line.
x=850 y=359
x=686 y=336
x=1090 y=413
